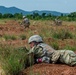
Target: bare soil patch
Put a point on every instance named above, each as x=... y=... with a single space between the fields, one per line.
x=49 y=69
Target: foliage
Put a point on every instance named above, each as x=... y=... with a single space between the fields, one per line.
x=63 y=34
x=0 y=15
x=43 y=16
x=68 y=47
x=18 y=15
x=55 y=45
x=7 y=15
x=13 y=59
x=23 y=36
x=10 y=37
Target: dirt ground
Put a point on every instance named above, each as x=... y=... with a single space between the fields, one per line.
x=12 y=27
x=49 y=69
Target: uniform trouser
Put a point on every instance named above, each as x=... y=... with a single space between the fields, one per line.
x=26 y=25
x=64 y=56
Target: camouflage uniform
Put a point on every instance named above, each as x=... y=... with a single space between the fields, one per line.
x=45 y=53
x=26 y=22
x=64 y=56
x=42 y=53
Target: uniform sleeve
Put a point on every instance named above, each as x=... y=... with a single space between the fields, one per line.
x=39 y=52
x=31 y=50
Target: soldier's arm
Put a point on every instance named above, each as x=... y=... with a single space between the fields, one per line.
x=40 y=55
x=31 y=51
x=38 y=51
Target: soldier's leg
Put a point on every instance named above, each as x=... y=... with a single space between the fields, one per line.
x=55 y=56
x=68 y=57
x=26 y=25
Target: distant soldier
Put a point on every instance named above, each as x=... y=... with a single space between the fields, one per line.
x=57 y=22
x=25 y=22
x=42 y=52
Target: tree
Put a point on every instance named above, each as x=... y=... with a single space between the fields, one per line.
x=18 y=15
x=36 y=15
x=72 y=16
x=7 y=15
x=43 y=15
x=0 y=15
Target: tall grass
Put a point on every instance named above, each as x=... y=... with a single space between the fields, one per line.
x=13 y=59
x=68 y=47
x=10 y=37
x=23 y=36
x=55 y=45
x=62 y=34
x=14 y=37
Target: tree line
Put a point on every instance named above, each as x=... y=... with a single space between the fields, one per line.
x=43 y=16
x=9 y=15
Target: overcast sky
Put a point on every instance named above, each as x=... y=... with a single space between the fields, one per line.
x=65 y=6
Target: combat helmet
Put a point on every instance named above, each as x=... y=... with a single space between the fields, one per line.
x=24 y=17
x=35 y=38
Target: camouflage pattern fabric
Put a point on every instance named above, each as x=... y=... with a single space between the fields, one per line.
x=26 y=22
x=43 y=51
x=65 y=56
x=46 y=52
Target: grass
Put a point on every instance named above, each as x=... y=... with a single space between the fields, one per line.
x=55 y=45
x=13 y=59
x=10 y=37
x=23 y=36
x=14 y=37
x=62 y=34
x=68 y=47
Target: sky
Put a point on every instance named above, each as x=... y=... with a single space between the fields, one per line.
x=64 y=6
